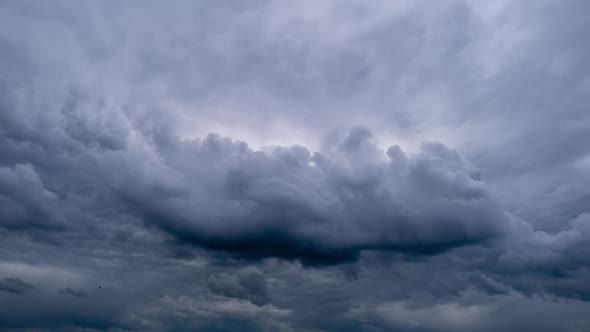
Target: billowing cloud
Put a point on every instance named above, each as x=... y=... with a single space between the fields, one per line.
x=325 y=206
x=304 y=166
x=217 y=193
x=285 y=202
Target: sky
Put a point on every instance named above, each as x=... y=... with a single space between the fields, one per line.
x=282 y=166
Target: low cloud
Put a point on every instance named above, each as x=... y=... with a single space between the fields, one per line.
x=321 y=208
x=73 y=292
x=15 y=286
x=240 y=169
x=216 y=193
x=248 y=285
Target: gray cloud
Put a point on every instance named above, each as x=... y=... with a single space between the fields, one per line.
x=73 y=292
x=249 y=285
x=219 y=194
x=372 y=166
x=322 y=207
x=15 y=285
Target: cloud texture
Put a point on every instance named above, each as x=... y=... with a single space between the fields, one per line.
x=294 y=166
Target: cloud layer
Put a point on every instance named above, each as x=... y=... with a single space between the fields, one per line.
x=333 y=166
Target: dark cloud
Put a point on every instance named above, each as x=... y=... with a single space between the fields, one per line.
x=219 y=194
x=372 y=166
x=15 y=285
x=73 y=292
x=25 y=201
x=249 y=285
x=319 y=208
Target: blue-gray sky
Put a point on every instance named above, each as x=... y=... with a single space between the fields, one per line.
x=294 y=165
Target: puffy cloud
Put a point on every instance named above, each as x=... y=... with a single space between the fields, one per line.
x=321 y=207
x=539 y=262
x=124 y=213
x=285 y=202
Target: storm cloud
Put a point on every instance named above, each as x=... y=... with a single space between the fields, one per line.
x=217 y=193
x=294 y=166
x=15 y=285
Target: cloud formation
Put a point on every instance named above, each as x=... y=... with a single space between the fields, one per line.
x=303 y=166
x=325 y=206
x=15 y=285
x=249 y=285
x=73 y=292
x=322 y=207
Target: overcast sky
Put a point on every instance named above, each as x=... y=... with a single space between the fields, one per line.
x=284 y=166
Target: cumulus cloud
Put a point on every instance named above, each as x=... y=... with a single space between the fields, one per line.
x=333 y=166
x=217 y=193
x=326 y=206
x=286 y=202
